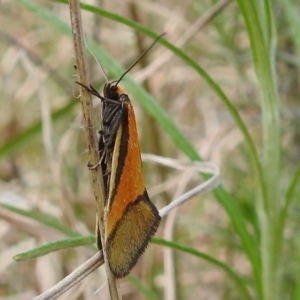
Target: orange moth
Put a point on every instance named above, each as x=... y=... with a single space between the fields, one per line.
x=131 y=218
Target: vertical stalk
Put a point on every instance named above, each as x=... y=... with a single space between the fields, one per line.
x=87 y=105
x=259 y=22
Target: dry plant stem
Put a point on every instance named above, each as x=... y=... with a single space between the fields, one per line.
x=97 y=178
x=76 y=276
x=204 y=167
x=170 y=290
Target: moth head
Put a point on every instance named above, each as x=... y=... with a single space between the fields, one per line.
x=112 y=91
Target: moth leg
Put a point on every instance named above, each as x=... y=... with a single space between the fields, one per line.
x=92 y=167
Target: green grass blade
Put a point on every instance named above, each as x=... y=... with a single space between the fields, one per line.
x=260 y=26
x=294 y=184
x=263 y=59
x=215 y=87
x=55 y=246
x=87 y=240
x=292 y=17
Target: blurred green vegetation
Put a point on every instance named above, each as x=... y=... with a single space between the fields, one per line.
x=222 y=85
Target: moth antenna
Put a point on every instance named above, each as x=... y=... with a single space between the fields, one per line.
x=141 y=56
x=98 y=62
